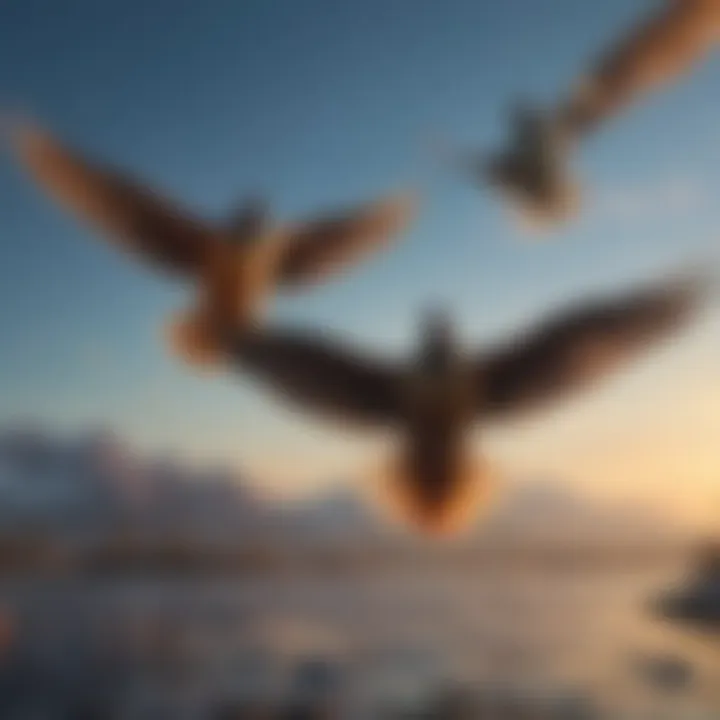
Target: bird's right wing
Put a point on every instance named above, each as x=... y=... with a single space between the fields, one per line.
x=321 y=376
x=575 y=350
x=322 y=247
x=137 y=218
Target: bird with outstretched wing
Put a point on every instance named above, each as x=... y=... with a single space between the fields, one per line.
x=533 y=170
x=236 y=265
x=568 y=353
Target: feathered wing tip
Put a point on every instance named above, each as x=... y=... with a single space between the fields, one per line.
x=60 y=171
x=324 y=247
x=401 y=207
x=387 y=216
x=128 y=213
x=226 y=305
x=383 y=221
x=36 y=147
x=449 y=515
x=19 y=129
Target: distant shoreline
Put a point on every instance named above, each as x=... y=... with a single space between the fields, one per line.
x=178 y=557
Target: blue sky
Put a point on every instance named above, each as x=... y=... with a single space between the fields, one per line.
x=316 y=103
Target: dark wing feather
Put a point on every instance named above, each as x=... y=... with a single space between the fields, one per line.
x=321 y=376
x=141 y=221
x=320 y=248
x=575 y=350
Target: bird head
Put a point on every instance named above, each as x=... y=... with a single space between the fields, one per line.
x=437 y=349
x=251 y=222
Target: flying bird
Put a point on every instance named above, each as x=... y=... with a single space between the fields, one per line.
x=431 y=403
x=244 y=260
x=533 y=170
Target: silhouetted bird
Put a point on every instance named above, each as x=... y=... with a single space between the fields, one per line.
x=433 y=402
x=533 y=170
x=245 y=260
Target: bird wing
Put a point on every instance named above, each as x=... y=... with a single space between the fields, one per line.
x=572 y=351
x=316 y=374
x=135 y=217
x=655 y=53
x=320 y=248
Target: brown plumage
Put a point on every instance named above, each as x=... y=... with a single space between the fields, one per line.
x=432 y=404
x=533 y=170
x=236 y=266
x=532 y=173
x=654 y=54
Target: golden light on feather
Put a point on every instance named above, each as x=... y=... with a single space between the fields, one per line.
x=449 y=512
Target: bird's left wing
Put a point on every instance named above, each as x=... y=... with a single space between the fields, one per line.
x=134 y=216
x=319 y=375
x=581 y=347
x=320 y=248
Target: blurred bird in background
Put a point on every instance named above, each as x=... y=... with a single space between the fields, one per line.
x=245 y=260
x=533 y=170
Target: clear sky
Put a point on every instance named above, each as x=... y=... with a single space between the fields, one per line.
x=320 y=103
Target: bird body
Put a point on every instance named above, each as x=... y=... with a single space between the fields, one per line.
x=533 y=172
x=235 y=286
x=440 y=384
x=434 y=476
